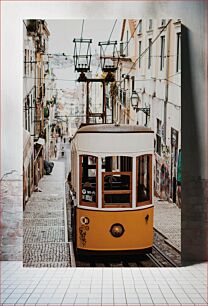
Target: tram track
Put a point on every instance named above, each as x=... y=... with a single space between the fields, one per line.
x=164 y=252
x=160 y=259
x=127 y=261
x=163 y=255
x=109 y=264
x=156 y=259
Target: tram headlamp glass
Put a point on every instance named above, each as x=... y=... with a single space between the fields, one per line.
x=117 y=230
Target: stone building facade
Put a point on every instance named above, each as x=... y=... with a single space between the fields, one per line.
x=35 y=123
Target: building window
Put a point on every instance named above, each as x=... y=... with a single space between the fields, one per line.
x=124 y=98
x=28 y=59
x=132 y=82
x=140 y=52
x=122 y=49
x=150 y=24
x=25 y=62
x=127 y=43
x=121 y=95
x=25 y=115
x=162 y=53
x=150 y=53
x=140 y=27
x=163 y=22
x=31 y=61
x=178 y=57
x=31 y=112
x=28 y=114
x=158 y=137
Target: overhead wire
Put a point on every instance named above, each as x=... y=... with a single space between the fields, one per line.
x=179 y=72
x=81 y=35
x=131 y=36
x=144 y=52
x=108 y=40
x=75 y=80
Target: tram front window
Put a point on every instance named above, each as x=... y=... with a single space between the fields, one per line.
x=88 y=180
x=144 y=180
x=117 y=181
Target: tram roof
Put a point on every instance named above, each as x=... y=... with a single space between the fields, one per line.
x=112 y=128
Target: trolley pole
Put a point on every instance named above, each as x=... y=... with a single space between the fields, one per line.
x=87 y=105
x=104 y=103
x=88 y=113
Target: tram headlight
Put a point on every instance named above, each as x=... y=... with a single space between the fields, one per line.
x=117 y=230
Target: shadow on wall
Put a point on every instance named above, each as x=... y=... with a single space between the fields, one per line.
x=194 y=208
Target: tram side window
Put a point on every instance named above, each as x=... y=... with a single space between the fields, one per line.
x=144 y=179
x=88 y=180
x=117 y=181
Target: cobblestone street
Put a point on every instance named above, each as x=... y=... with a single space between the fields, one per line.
x=45 y=234
x=167 y=220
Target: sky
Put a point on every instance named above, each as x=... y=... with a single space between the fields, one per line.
x=62 y=33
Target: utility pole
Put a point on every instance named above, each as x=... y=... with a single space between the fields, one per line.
x=88 y=113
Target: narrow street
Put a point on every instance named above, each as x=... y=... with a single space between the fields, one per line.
x=45 y=221
x=95 y=99
x=104 y=169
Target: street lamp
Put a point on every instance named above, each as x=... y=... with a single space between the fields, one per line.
x=82 y=56
x=109 y=58
x=135 y=100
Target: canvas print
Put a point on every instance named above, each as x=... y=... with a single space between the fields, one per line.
x=102 y=143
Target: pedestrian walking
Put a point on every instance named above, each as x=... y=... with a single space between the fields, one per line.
x=62 y=151
x=55 y=151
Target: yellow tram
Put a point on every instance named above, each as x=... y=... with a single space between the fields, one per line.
x=111 y=179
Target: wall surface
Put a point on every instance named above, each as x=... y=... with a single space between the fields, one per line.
x=194 y=108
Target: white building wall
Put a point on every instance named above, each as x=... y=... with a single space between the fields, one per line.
x=155 y=85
